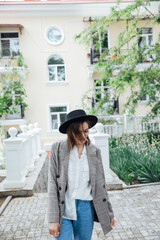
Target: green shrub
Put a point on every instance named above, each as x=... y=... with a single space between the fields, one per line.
x=136 y=158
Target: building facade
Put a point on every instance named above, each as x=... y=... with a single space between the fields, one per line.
x=60 y=70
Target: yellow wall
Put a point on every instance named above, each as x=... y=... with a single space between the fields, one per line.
x=36 y=51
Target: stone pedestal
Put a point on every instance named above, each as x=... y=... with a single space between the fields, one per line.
x=15 y=177
x=28 y=149
x=101 y=141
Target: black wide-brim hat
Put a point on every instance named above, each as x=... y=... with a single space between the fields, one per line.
x=75 y=115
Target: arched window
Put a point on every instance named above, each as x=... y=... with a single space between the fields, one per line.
x=56 y=69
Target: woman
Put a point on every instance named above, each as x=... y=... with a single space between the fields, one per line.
x=76 y=184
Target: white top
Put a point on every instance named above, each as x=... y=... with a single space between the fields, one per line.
x=79 y=186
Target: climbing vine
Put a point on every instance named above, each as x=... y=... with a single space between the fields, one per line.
x=119 y=64
x=12 y=94
x=12 y=97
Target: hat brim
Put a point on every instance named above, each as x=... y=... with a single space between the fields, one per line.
x=92 y=119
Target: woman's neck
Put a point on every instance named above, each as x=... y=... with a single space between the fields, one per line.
x=80 y=146
x=80 y=149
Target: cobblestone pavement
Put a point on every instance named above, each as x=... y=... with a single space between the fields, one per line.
x=137 y=216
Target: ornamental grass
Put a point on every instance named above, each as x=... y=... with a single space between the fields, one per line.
x=136 y=158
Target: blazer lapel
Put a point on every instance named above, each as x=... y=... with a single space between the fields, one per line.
x=64 y=156
x=92 y=162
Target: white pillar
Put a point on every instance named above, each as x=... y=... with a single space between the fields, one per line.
x=33 y=139
x=38 y=138
x=28 y=152
x=128 y=122
x=119 y=128
x=14 y=148
x=2 y=136
x=101 y=141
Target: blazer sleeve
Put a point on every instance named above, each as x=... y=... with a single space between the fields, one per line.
x=53 y=205
x=111 y=214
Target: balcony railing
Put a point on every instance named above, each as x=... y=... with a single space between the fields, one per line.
x=95 y=55
x=8 y=61
x=7 y=65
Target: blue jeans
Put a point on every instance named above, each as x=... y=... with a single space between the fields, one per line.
x=80 y=229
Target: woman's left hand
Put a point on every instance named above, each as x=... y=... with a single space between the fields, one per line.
x=112 y=223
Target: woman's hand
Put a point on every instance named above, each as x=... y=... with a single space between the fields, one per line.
x=54 y=229
x=112 y=223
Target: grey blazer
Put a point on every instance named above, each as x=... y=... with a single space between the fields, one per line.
x=57 y=184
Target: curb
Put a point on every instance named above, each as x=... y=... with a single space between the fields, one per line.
x=141 y=185
x=4 y=205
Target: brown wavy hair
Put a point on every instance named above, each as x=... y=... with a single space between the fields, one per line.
x=73 y=129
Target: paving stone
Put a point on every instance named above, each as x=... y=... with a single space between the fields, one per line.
x=152 y=238
x=137 y=216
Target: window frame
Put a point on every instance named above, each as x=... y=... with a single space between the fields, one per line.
x=61 y=31
x=20 y=113
x=144 y=101
x=99 y=38
x=147 y=35
x=50 y=130
x=6 y=31
x=147 y=97
x=102 y=91
x=147 y=41
x=96 y=53
x=56 y=72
